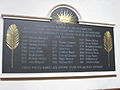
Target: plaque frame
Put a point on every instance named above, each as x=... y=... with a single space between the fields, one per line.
x=55 y=75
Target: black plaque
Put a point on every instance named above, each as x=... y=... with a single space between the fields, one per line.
x=47 y=47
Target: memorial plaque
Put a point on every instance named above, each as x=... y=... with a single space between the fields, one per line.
x=32 y=46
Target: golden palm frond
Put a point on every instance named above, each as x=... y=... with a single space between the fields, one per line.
x=12 y=39
x=108 y=43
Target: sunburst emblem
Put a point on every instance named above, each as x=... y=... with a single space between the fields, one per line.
x=65 y=17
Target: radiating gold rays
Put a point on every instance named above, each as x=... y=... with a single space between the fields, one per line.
x=65 y=17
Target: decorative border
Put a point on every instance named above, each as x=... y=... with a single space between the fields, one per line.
x=66 y=75
x=58 y=75
x=48 y=19
x=25 y=17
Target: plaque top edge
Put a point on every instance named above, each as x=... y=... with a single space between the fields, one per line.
x=49 y=18
x=25 y=17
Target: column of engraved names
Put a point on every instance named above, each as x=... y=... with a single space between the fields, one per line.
x=36 y=47
x=66 y=52
x=63 y=47
x=33 y=47
x=54 y=52
x=67 y=48
x=24 y=50
x=81 y=35
x=92 y=48
x=81 y=51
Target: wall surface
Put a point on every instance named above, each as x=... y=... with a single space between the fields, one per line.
x=105 y=11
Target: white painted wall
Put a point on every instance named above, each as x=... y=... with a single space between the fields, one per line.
x=106 y=11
